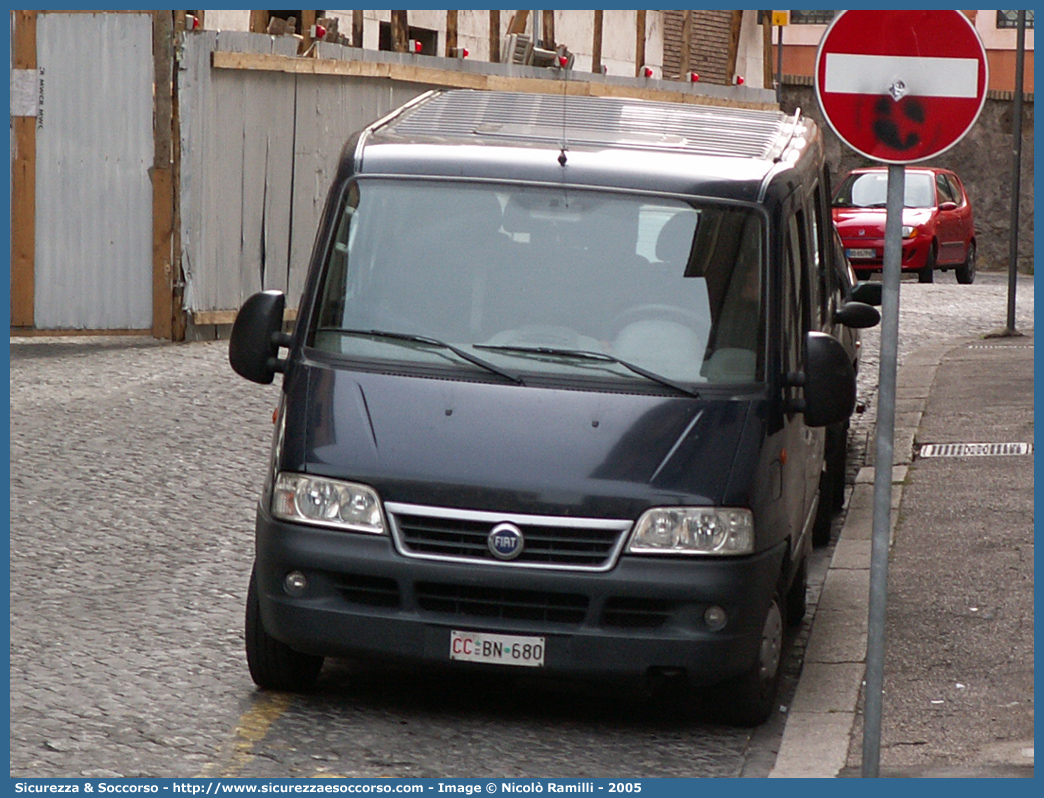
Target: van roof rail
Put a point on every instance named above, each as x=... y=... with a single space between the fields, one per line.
x=550 y=119
x=788 y=131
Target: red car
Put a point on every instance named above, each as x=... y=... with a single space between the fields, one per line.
x=938 y=229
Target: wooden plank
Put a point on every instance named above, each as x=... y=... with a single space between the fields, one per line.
x=258 y=21
x=357 y=28
x=203 y=317
x=596 y=44
x=465 y=80
x=451 y=33
x=400 y=31
x=735 y=24
x=639 y=42
x=307 y=21
x=766 y=55
x=23 y=183
x=494 y=37
x=23 y=220
x=517 y=24
x=162 y=267
x=162 y=176
x=163 y=63
x=686 y=45
x=29 y=333
x=547 y=29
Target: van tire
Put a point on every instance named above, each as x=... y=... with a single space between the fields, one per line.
x=836 y=457
x=824 y=520
x=797 y=596
x=748 y=699
x=273 y=664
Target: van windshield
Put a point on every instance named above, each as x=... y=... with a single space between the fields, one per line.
x=513 y=279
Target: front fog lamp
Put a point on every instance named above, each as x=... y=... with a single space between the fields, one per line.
x=693 y=530
x=327 y=502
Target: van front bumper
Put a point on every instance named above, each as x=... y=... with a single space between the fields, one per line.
x=364 y=599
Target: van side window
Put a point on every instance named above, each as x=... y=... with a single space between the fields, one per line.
x=802 y=284
x=819 y=282
x=794 y=311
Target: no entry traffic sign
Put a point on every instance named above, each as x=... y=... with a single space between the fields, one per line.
x=901 y=86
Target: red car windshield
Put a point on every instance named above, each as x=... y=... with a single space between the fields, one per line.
x=870 y=190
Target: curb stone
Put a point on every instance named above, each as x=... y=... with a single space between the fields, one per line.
x=819 y=725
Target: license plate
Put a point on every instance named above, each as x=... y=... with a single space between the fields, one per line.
x=861 y=253
x=497 y=649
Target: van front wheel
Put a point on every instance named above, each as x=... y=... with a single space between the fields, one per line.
x=748 y=699
x=273 y=664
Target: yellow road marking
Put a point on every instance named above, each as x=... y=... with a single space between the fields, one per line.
x=253 y=725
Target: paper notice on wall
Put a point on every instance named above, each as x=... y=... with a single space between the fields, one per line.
x=24 y=92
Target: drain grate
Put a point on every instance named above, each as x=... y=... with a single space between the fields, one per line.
x=1000 y=346
x=975 y=449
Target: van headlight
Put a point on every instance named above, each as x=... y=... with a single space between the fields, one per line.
x=305 y=499
x=693 y=530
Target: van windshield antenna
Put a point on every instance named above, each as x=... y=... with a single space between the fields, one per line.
x=562 y=155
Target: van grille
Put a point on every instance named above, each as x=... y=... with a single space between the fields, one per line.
x=636 y=613
x=584 y=544
x=500 y=603
x=368 y=591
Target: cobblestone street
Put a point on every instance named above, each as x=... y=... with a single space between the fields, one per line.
x=135 y=466
x=934 y=314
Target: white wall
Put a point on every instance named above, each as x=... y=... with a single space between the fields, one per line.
x=226 y=20
x=750 y=53
x=994 y=38
x=573 y=28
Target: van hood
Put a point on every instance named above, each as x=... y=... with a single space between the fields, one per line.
x=515 y=449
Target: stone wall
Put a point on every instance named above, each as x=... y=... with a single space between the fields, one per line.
x=982 y=159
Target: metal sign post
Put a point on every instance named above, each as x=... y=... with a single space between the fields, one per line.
x=883 y=459
x=897 y=87
x=1016 y=171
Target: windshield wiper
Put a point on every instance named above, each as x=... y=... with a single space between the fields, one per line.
x=588 y=355
x=426 y=341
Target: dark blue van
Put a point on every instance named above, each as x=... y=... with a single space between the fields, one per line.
x=556 y=395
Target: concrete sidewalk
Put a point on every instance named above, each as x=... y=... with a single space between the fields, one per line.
x=959 y=632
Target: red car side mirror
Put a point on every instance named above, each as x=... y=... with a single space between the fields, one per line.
x=948 y=206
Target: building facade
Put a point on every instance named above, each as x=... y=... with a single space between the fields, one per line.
x=996 y=29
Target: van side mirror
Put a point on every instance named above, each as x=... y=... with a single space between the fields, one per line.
x=830 y=381
x=857 y=315
x=867 y=292
x=257 y=334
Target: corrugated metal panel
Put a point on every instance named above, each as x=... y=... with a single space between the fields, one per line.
x=253 y=143
x=328 y=112
x=93 y=150
x=260 y=149
x=236 y=136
